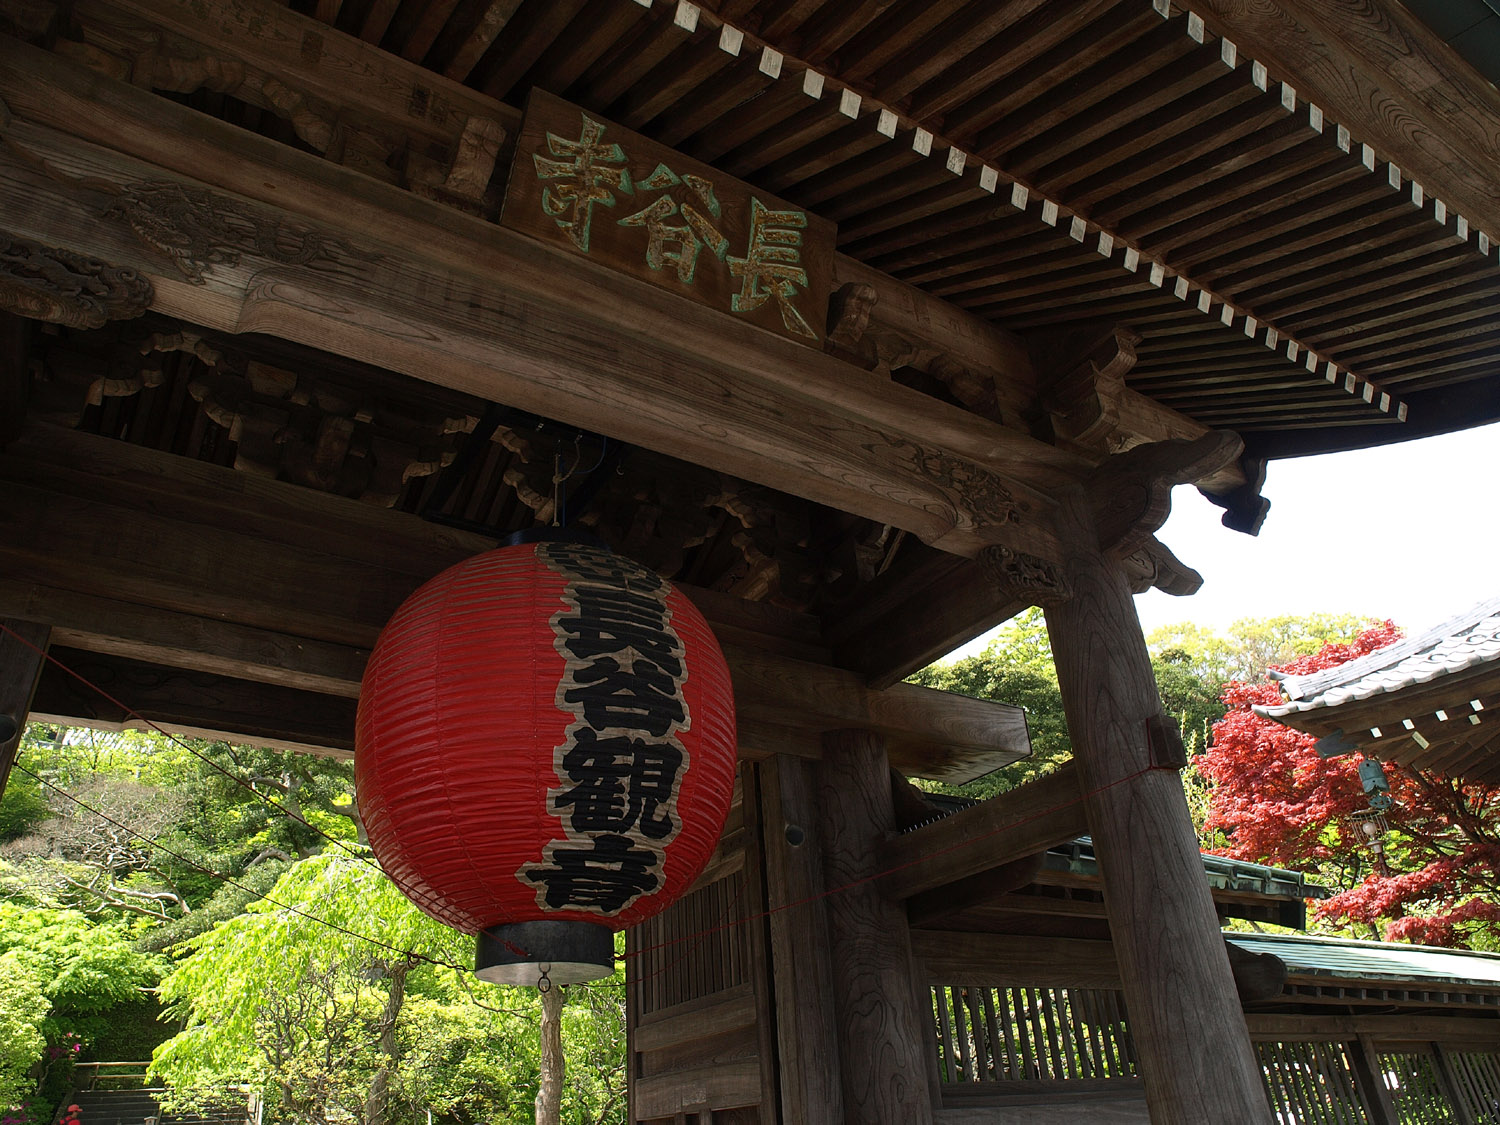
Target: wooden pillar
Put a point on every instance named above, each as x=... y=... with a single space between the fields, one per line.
x=1380 y=1107
x=22 y=648
x=881 y=1045
x=1185 y=1015
x=806 y=1031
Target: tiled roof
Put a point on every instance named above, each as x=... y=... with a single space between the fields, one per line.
x=1466 y=641
x=1374 y=960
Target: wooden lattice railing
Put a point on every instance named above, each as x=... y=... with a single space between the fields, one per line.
x=996 y=1043
x=997 y=1035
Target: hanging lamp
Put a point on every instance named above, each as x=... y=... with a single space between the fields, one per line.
x=545 y=752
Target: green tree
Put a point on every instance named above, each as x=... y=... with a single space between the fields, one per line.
x=290 y=996
x=1015 y=667
x=23 y=1007
x=86 y=967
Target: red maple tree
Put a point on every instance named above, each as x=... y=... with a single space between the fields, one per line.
x=1436 y=880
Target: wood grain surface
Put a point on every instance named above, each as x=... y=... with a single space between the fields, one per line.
x=884 y=1063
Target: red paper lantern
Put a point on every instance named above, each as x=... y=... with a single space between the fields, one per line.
x=545 y=752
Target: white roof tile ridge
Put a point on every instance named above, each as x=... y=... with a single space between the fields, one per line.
x=1298 y=688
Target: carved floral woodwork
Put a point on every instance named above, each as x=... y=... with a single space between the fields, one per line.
x=52 y=284
x=197 y=229
x=1025 y=577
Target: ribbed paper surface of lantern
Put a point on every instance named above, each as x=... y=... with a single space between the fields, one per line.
x=458 y=733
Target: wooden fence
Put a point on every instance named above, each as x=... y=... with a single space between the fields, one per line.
x=1001 y=1044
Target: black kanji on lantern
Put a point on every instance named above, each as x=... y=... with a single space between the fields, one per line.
x=621 y=758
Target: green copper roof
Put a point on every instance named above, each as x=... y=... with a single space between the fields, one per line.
x=1374 y=960
x=1077 y=857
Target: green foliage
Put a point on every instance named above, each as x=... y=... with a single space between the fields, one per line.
x=328 y=1023
x=23 y=1006
x=1249 y=646
x=86 y=968
x=227 y=901
x=22 y=808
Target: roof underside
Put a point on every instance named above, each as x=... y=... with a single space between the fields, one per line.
x=1288 y=281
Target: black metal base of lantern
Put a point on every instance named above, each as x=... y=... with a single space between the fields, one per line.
x=562 y=951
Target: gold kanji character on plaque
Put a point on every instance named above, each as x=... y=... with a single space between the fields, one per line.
x=585 y=173
x=772 y=265
x=678 y=244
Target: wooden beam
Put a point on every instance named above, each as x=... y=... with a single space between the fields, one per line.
x=131 y=631
x=124 y=550
x=928 y=731
x=489 y=312
x=1401 y=1027
x=1012 y=826
x=23 y=647
x=1006 y=961
x=303 y=55
x=196 y=704
x=1020 y=961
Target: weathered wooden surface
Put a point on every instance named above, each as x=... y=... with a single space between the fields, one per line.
x=141 y=556
x=1177 y=980
x=1020 y=823
x=1130 y=1110
x=1378 y=69
x=1006 y=960
x=1001 y=960
x=881 y=1041
x=23 y=647
x=588 y=186
x=1463 y=1032
x=806 y=1031
x=511 y=320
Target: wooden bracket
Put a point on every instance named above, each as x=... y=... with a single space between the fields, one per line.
x=1154 y=565
x=1335 y=744
x=1083 y=375
x=1131 y=492
x=1244 y=507
x=1164 y=740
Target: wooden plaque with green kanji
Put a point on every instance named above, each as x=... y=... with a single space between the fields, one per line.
x=598 y=189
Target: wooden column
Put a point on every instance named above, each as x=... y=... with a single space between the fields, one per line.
x=22 y=648
x=806 y=1030
x=1185 y=1014
x=881 y=1045
x=1380 y=1107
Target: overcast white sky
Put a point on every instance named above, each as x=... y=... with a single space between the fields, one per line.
x=1408 y=531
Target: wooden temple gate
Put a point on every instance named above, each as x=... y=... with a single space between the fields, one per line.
x=868 y=322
